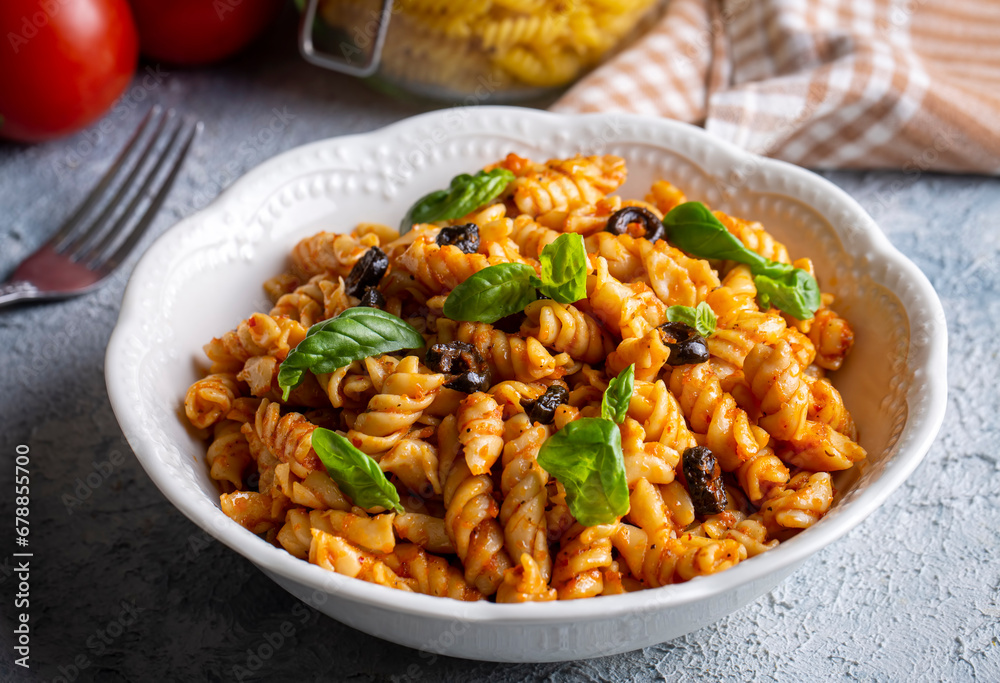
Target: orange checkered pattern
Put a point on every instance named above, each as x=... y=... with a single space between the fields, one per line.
x=905 y=84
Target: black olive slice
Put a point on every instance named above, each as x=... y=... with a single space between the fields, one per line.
x=463 y=360
x=704 y=480
x=464 y=237
x=618 y=222
x=685 y=344
x=372 y=298
x=470 y=382
x=543 y=408
x=367 y=272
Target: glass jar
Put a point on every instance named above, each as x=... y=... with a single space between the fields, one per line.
x=483 y=50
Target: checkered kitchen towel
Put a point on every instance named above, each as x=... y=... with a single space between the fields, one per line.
x=906 y=84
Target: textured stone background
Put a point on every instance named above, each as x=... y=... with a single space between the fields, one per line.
x=910 y=594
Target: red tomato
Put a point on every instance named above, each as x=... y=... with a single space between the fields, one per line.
x=63 y=63
x=190 y=32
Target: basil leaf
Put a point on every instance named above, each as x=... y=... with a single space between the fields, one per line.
x=586 y=456
x=355 y=334
x=693 y=228
x=702 y=318
x=465 y=194
x=794 y=292
x=492 y=293
x=356 y=474
x=426 y=205
x=614 y=403
x=564 y=269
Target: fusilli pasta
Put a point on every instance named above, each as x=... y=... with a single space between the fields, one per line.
x=479 y=516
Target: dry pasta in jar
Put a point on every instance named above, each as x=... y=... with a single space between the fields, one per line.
x=487 y=49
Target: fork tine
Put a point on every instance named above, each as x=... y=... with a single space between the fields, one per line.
x=97 y=247
x=138 y=230
x=75 y=221
x=84 y=239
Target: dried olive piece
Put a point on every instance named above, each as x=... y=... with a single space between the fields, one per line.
x=463 y=360
x=511 y=324
x=367 y=272
x=618 y=222
x=372 y=298
x=704 y=480
x=464 y=237
x=470 y=382
x=543 y=408
x=453 y=357
x=685 y=344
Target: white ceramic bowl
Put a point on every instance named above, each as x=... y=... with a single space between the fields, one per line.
x=204 y=275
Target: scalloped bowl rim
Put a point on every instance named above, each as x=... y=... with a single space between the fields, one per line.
x=930 y=357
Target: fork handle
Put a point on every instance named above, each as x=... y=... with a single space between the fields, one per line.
x=17 y=290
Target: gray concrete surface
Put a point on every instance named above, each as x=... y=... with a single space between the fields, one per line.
x=125 y=588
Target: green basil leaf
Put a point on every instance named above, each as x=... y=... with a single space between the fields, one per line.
x=465 y=194
x=357 y=474
x=426 y=205
x=355 y=334
x=586 y=456
x=796 y=292
x=564 y=269
x=693 y=228
x=614 y=403
x=492 y=293
x=702 y=318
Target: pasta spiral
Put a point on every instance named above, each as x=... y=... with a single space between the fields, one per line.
x=754 y=237
x=798 y=504
x=775 y=379
x=258 y=335
x=480 y=431
x=713 y=413
x=398 y=404
x=627 y=310
x=509 y=357
x=531 y=237
x=832 y=336
x=229 y=455
x=330 y=253
x=338 y=555
x=584 y=552
x=525 y=583
x=471 y=523
x=567 y=329
x=522 y=483
x=566 y=184
x=430 y=574
x=209 y=399
x=439 y=269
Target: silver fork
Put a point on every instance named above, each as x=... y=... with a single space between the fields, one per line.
x=109 y=223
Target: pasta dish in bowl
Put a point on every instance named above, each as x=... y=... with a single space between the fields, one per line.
x=625 y=409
